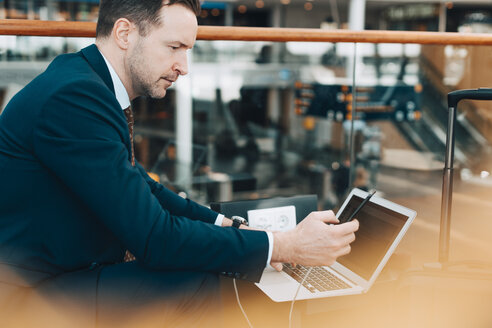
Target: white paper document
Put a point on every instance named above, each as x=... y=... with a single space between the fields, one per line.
x=273 y=219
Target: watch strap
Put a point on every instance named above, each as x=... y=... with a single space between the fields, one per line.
x=238 y=220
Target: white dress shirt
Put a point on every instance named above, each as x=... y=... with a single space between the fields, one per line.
x=124 y=101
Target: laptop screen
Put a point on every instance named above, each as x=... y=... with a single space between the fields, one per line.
x=378 y=228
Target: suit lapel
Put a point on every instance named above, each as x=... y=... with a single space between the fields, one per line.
x=96 y=60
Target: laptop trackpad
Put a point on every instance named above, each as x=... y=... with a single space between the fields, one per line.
x=273 y=278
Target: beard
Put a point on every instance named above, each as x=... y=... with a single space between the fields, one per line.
x=140 y=75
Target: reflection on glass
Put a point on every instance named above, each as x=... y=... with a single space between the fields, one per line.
x=272 y=119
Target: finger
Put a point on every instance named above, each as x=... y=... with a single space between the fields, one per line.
x=332 y=220
x=357 y=223
x=349 y=238
x=327 y=216
x=345 y=250
x=347 y=227
x=277 y=266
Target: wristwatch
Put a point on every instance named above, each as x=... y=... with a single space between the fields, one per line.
x=238 y=220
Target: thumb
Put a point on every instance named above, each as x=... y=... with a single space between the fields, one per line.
x=277 y=266
x=327 y=216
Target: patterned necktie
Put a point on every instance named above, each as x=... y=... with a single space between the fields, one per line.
x=129 y=119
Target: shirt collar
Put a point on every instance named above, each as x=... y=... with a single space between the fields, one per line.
x=119 y=88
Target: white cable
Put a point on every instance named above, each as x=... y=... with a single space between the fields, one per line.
x=295 y=296
x=239 y=303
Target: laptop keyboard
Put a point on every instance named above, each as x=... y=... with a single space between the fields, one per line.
x=319 y=280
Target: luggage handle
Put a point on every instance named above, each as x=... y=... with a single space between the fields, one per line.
x=447 y=184
x=476 y=94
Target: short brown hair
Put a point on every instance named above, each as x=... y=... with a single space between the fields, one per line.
x=144 y=13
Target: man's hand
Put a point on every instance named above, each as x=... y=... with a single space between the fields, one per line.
x=277 y=266
x=314 y=242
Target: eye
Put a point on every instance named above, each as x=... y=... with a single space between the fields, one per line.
x=174 y=47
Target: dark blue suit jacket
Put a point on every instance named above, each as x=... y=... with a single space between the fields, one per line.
x=69 y=195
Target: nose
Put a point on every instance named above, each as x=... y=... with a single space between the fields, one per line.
x=181 y=65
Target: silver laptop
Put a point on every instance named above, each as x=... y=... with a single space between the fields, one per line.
x=382 y=225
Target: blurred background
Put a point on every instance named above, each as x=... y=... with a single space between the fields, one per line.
x=263 y=119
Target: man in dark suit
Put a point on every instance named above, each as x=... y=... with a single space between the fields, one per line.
x=73 y=199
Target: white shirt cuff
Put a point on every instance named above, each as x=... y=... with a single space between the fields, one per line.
x=270 y=247
x=219 y=219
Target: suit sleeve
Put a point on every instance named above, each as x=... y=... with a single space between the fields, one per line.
x=80 y=137
x=177 y=205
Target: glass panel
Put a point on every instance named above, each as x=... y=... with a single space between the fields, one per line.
x=272 y=119
x=38 y=49
x=256 y=116
x=400 y=136
x=59 y=10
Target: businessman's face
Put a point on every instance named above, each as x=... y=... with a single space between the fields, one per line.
x=157 y=59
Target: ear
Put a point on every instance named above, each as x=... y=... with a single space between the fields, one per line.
x=122 y=32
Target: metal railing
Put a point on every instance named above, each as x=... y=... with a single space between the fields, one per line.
x=88 y=29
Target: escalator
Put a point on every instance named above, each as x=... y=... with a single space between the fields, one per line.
x=429 y=133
